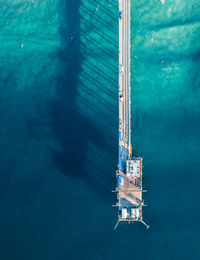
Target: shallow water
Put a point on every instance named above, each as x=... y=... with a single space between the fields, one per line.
x=59 y=129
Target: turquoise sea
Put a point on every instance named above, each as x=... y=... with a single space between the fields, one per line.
x=59 y=129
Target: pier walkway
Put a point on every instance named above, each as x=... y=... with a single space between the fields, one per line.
x=129 y=172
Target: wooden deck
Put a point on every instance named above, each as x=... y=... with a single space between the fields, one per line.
x=130 y=194
x=130 y=201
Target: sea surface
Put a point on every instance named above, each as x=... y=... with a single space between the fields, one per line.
x=59 y=129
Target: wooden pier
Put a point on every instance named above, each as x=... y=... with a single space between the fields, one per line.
x=129 y=174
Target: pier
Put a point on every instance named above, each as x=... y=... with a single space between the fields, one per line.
x=129 y=173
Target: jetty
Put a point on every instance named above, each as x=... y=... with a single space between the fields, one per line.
x=129 y=171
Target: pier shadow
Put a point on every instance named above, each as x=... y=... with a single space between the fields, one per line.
x=77 y=133
x=82 y=115
x=72 y=129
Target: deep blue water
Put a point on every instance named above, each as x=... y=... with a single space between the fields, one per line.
x=59 y=129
